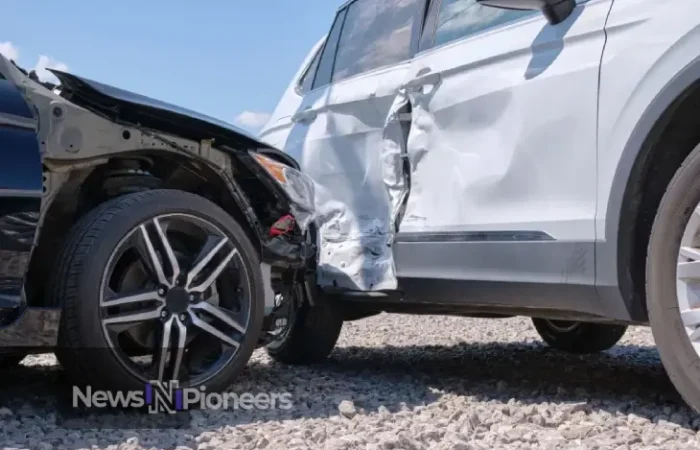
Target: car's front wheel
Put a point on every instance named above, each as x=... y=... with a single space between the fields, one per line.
x=579 y=337
x=158 y=285
x=673 y=279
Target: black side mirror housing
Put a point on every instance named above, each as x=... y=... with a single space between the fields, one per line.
x=555 y=11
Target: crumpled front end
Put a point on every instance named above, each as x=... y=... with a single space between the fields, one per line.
x=84 y=125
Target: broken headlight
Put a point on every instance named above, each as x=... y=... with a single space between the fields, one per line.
x=297 y=185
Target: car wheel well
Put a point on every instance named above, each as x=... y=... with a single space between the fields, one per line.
x=85 y=189
x=670 y=141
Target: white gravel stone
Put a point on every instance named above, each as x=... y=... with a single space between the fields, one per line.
x=403 y=382
x=347 y=409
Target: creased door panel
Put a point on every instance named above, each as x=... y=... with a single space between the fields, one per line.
x=358 y=192
x=503 y=132
x=354 y=144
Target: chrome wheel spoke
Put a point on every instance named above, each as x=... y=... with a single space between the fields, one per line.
x=689 y=270
x=691 y=317
x=215 y=272
x=220 y=314
x=204 y=326
x=690 y=253
x=209 y=250
x=695 y=335
x=180 y=350
x=154 y=243
x=113 y=299
x=153 y=260
x=162 y=354
x=174 y=266
x=124 y=321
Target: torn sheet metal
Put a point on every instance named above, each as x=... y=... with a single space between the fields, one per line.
x=359 y=188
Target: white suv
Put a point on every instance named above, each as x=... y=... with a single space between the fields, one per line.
x=507 y=157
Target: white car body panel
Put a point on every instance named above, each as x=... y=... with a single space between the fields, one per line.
x=649 y=43
x=503 y=142
x=278 y=126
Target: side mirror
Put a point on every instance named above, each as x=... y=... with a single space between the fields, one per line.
x=555 y=11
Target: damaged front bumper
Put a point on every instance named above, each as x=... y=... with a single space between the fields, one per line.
x=83 y=125
x=283 y=247
x=291 y=243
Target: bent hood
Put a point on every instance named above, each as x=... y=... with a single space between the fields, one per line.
x=123 y=106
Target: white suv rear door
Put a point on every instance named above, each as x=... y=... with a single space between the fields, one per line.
x=502 y=143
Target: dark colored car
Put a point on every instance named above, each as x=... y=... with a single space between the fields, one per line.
x=138 y=240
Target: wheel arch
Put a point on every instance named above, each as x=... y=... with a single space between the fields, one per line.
x=243 y=196
x=655 y=149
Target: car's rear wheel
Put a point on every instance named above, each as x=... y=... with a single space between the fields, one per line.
x=673 y=279
x=579 y=337
x=158 y=285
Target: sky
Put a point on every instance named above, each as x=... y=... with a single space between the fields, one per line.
x=230 y=59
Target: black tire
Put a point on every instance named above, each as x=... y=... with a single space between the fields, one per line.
x=677 y=354
x=8 y=360
x=579 y=337
x=83 y=350
x=311 y=338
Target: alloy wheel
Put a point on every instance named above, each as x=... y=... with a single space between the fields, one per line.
x=175 y=300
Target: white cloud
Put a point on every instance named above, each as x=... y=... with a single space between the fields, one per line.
x=252 y=119
x=462 y=17
x=9 y=51
x=46 y=62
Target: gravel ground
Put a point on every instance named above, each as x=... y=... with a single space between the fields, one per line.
x=407 y=382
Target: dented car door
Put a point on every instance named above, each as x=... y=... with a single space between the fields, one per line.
x=341 y=130
x=502 y=143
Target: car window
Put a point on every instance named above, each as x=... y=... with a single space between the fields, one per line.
x=325 y=64
x=376 y=33
x=304 y=84
x=461 y=18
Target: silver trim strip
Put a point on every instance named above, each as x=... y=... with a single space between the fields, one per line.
x=474 y=236
x=24 y=193
x=17 y=121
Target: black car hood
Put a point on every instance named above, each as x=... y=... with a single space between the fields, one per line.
x=124 y=106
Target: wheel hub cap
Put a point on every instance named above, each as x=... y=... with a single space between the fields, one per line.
x=177 y=301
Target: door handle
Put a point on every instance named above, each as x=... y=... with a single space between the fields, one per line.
x=428 y=78
x=305 y=115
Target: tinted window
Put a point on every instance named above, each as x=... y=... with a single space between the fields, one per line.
x=461 y=18
x=308 y=77
x=376 y=33
x=325 y=65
